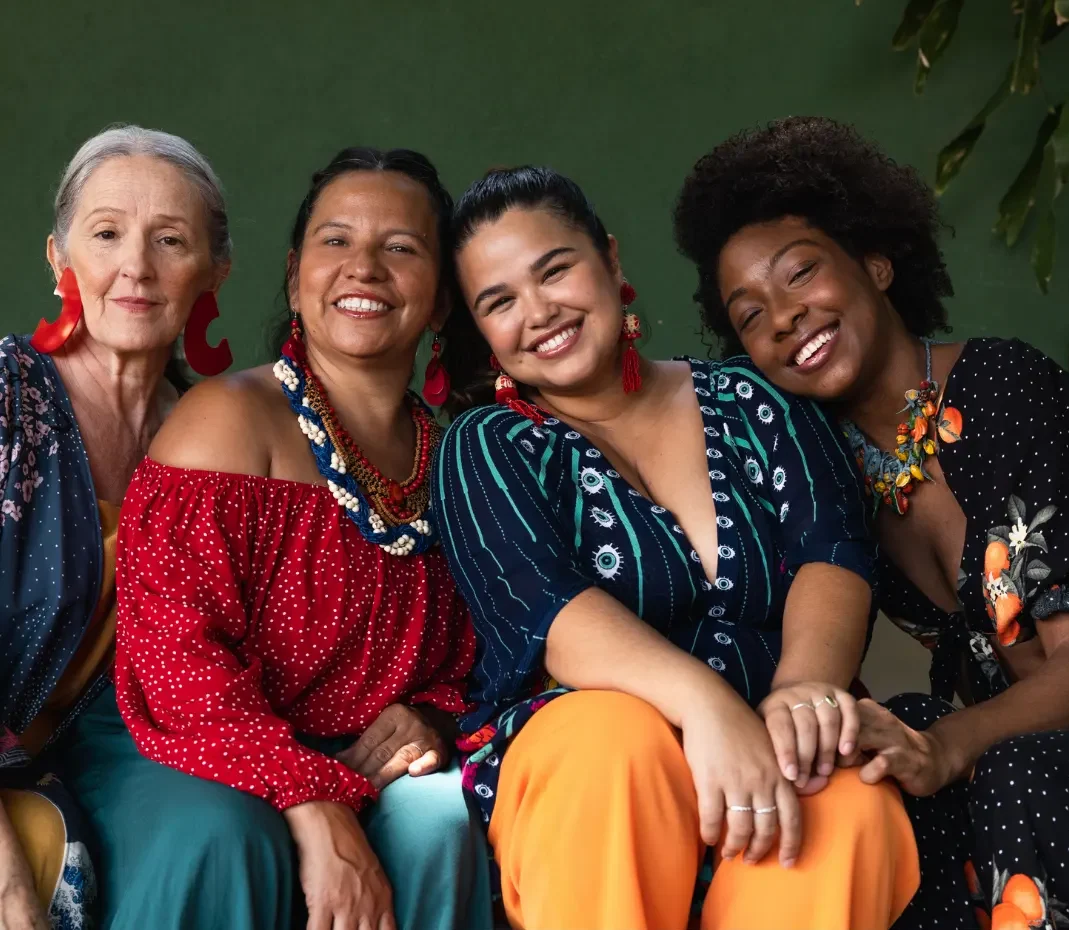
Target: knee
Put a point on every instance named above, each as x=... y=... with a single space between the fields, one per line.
x=228 y=827
x=1024 y=754
x=425 y=818
x=613 y=727
x=870 y=809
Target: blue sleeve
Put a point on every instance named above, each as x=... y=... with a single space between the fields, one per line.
x=799 y=464
x=511 y=556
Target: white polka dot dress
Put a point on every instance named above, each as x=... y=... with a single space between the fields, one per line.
x=1010 y=474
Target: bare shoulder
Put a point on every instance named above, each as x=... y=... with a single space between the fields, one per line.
x=223 y=424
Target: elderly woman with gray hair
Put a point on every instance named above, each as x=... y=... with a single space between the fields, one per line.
x=139 y=247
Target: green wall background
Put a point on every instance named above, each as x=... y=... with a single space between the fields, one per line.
x=622 y=96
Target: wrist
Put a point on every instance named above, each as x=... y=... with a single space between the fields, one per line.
x=953 y=759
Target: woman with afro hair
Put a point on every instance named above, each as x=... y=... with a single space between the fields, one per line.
x=818 y=256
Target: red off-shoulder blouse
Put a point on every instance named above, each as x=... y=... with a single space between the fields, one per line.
x=251 y=609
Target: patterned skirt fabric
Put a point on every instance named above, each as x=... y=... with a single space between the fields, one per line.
x=995 y=850
x=72 y=905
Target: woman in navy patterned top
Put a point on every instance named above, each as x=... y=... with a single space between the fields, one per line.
x=649 y=560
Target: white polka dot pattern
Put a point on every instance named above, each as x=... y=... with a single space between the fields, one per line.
x=250 y=608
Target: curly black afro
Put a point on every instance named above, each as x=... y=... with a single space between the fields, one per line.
x=824 y=172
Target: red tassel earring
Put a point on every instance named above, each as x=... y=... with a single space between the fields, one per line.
x=505 y=393
x=435 y=378
x=632 y=330
x=48 y=337
x=203 y=358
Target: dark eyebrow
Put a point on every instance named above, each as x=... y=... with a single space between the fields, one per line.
x=536 y=266
x=790 y=245
x=488 y=292
x=331 y=224
x=741 y=291
x=548 y=257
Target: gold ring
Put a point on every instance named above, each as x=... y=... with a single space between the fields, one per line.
x=827 y=699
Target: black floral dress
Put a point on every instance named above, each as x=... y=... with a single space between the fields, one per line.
x=1000 y=843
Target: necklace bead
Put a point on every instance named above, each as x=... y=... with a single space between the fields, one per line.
x=394 y=515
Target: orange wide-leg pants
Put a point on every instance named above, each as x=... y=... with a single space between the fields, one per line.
x=595 y=827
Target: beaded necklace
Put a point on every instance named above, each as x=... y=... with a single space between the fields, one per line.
x=891 y=477
x=391 y=514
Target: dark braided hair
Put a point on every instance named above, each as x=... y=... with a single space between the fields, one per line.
x=466 y=355
x=364 y=158
x=825 y=173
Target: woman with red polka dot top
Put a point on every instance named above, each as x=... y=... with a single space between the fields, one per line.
x=291 y=646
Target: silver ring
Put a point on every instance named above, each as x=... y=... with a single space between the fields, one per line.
x=766 y=810
x=808 y=704
x=739 y=809
x=827 y=699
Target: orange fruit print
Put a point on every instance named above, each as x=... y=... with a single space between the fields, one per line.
x=1022 y=892
x=1008 y=917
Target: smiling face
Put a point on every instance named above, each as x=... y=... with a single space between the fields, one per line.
x=545 y=299
x=811 y=316
x=366 y=280
x=139 y=246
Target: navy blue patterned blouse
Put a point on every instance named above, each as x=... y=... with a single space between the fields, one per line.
x=530 y=516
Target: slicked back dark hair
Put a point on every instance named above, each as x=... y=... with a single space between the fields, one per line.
x=364 y=158
x=466 y=355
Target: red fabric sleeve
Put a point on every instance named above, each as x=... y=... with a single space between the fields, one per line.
x=184 y=559
x=449 y=688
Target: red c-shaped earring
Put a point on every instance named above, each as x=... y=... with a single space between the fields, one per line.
x=48 y=337
x=204 y=359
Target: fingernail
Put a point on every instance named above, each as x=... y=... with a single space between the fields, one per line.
x=802 y=779
x=789 y=863
x=792 y=772
x=727 y=856
x=826 y=768
x=847 y=749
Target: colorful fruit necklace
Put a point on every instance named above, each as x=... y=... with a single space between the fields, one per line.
x=890 y=477
x=391 y=514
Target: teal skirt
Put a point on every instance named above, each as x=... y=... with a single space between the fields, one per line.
x=173 y=851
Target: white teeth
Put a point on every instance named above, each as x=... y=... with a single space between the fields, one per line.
x=562 y=337
x=810 y=348
x=361 y=303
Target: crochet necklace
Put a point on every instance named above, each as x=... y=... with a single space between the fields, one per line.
x=890 y=477
x=393 y=515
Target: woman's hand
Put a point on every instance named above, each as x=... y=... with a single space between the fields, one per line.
x=344 y=885
x=400 y=741
x=810 y=723
x=918 y=761
x=741 y=791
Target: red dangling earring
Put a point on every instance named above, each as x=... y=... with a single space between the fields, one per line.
x=205 y=359
x=435 y=378
x=632 y=330
x=505 y=393
x=48 y=337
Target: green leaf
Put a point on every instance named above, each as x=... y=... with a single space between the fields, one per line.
x=1053 y=174
x=913 y=17
x=935 y=34
x=1018 y=201
x=1059 y=139
x=1026 y=61
x=953 y=155
x=1061 y=12
x=1043 y=246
